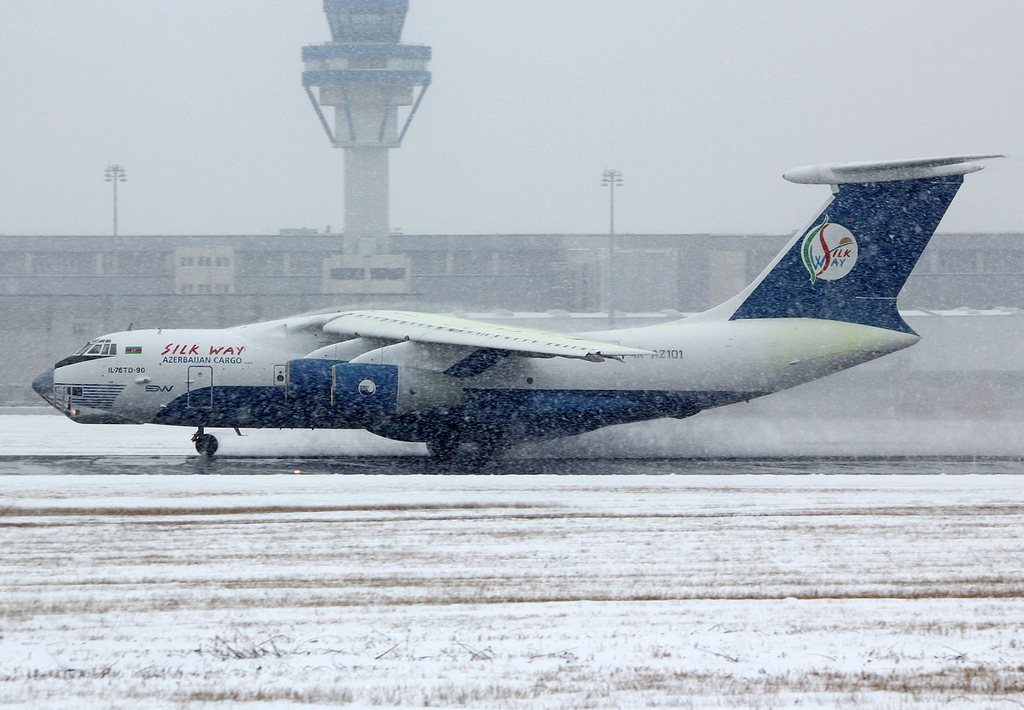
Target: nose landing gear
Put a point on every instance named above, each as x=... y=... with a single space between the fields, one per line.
x=206 y=444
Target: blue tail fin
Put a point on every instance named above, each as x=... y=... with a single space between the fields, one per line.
x=851 y=263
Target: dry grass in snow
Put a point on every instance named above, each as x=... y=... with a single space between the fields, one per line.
x=512 y=591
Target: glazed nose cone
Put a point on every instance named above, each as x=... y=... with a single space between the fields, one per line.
x=43 y=385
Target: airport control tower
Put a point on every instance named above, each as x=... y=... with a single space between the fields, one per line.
x=366 y=74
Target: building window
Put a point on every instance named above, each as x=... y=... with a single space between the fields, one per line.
x=1005 y=261
x=472 y=262
x=60 y=263
x=259 y=263
x=12 y=262
x=138 y=263
x=368 y=63
x=959 y=261
x=523 y=263
x=369 y=26
x=341 y=274
x=305 y=263
x=429 y=262
x=387 y=274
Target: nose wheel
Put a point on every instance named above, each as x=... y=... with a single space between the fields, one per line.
x=206 y=444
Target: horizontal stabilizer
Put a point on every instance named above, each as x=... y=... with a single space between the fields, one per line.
x=444 y=330
x=886 y=171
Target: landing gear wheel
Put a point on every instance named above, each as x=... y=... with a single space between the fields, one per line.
x=451 y=448
x=443 y=447
x=206 y=444
x=488 y=449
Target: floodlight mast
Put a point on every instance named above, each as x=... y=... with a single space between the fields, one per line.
x=611 y=179
x=115 y=174
x=366 y=74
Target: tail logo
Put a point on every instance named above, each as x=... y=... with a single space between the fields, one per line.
x=829 y=251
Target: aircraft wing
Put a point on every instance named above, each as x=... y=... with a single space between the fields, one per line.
x=425 y=328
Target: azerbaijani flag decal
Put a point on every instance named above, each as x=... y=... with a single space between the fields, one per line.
x=133 y=350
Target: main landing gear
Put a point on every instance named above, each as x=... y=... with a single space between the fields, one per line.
x=206 y=444
x=449 y=447
x=443 y=446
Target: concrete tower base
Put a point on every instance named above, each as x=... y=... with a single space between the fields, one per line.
x=366 y=201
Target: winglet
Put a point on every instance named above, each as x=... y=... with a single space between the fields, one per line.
x=886 y=171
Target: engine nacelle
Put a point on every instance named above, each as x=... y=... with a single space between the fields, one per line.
x=354 y=392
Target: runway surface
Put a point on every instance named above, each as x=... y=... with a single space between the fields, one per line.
x=141 y=465
x=40 y=441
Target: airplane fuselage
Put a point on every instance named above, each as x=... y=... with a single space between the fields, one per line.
x=259 y=377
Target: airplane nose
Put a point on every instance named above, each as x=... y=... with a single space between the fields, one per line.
x=43 y=384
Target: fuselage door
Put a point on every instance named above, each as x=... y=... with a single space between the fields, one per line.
x=200 y=386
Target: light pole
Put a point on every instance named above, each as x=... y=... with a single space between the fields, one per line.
x=611 y=179
x=114 y=174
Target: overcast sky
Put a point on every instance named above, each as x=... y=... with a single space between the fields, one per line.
x=701 y=106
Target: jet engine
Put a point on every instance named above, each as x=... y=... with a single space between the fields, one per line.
x=335 y=390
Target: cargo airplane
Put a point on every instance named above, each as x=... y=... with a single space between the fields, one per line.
x=825 y=303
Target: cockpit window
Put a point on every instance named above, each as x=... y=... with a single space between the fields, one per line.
x=98 y=347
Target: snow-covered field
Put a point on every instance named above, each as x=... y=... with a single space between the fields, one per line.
x=512 y=591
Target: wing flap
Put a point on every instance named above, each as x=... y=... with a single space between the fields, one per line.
x=401 y=326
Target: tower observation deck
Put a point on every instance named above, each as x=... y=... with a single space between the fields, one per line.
x=367 y=75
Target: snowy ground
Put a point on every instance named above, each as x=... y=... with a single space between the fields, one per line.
x=511 y=591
